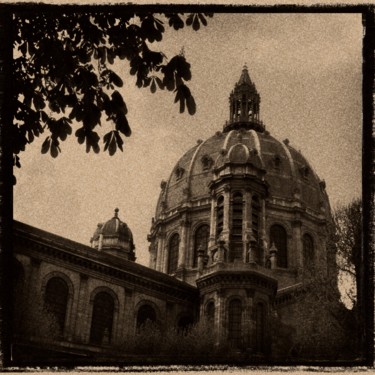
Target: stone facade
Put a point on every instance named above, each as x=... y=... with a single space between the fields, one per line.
x=240 y=220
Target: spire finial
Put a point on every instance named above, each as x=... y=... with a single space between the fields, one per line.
x=245 y=78
x=116 y=212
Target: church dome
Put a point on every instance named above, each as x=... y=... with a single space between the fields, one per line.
x=287 y=173
x=242 y=191
x=114 y=236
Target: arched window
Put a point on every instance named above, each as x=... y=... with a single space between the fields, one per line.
x=174 y=244
x=200 y=241
x=255 y=214
x=308 y=251
x=56 y=300
x=219 y=215
x=146 y=314
x=260 y=327
x=236 y=232
x=102 y=318
x=235 y=322
x=210 y=313
x=279 y=238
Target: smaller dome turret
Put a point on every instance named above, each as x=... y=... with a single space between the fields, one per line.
x=114 y=237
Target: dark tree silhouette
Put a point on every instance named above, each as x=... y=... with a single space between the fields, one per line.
x=63 y=73
x=350 y=260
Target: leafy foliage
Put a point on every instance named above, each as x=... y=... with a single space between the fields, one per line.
x=196 y=342
x=64 y=76
x=348 y=225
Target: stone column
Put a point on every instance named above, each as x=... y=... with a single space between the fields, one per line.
x=160 y=251
x=297 y=241
x=247 y=230
x=184 y=225
x=262 y=235
x=226 y=224
x=248 y=324
x=81 y=322
x=212 y=222
x=34 y=287
x=220 y=317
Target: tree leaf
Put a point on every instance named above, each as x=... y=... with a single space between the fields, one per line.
x=46 y=145
x=117 y=81
x=153 y=86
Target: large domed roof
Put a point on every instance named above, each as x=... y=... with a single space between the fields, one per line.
x=241 y=196
x=244 y=139
x=288 y=174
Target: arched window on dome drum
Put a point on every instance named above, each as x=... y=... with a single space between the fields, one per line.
x=236 y=230
x=56 y=300
x=235 y=322
x=173 y=248
x=102 y=319
x=255 y=215
x=146 y=315
x=210 y=313
x=219 y=215
x=200 y=241
x=279 y=238
x=308 y=251
x=260 y=316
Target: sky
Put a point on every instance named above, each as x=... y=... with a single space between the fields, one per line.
x=307 y=70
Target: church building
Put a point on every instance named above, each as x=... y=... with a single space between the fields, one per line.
x=240 y=221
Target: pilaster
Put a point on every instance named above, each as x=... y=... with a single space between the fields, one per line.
x=81 y=324
x=160 y=251
x=297 y=241
x=212 y=222
x=226 y=220
x=184 y=229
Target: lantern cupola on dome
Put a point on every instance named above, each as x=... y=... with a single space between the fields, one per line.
x=114 y=237
x=244 y=103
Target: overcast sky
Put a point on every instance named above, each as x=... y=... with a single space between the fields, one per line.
x=307 y=69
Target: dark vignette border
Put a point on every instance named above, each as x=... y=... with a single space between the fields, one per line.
x=6 y=171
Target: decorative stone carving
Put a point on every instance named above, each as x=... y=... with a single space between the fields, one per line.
x=207 y=162
x=163 y=185
x=304 y=171
x=179 y=172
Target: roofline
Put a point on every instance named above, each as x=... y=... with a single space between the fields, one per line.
x=44 y=238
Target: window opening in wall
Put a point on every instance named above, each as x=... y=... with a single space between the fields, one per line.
x=308 y=252
x=235 y=322
x=200 y=241
x=146 y=315
x=173 y=248
x=260 y=327
x=279 y=238
x=56 y=300
x=219 y=215
x=236 y=230
x=102 y=319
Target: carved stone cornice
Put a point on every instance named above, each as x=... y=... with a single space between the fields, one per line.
x=225 y=279
x=88 y=261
